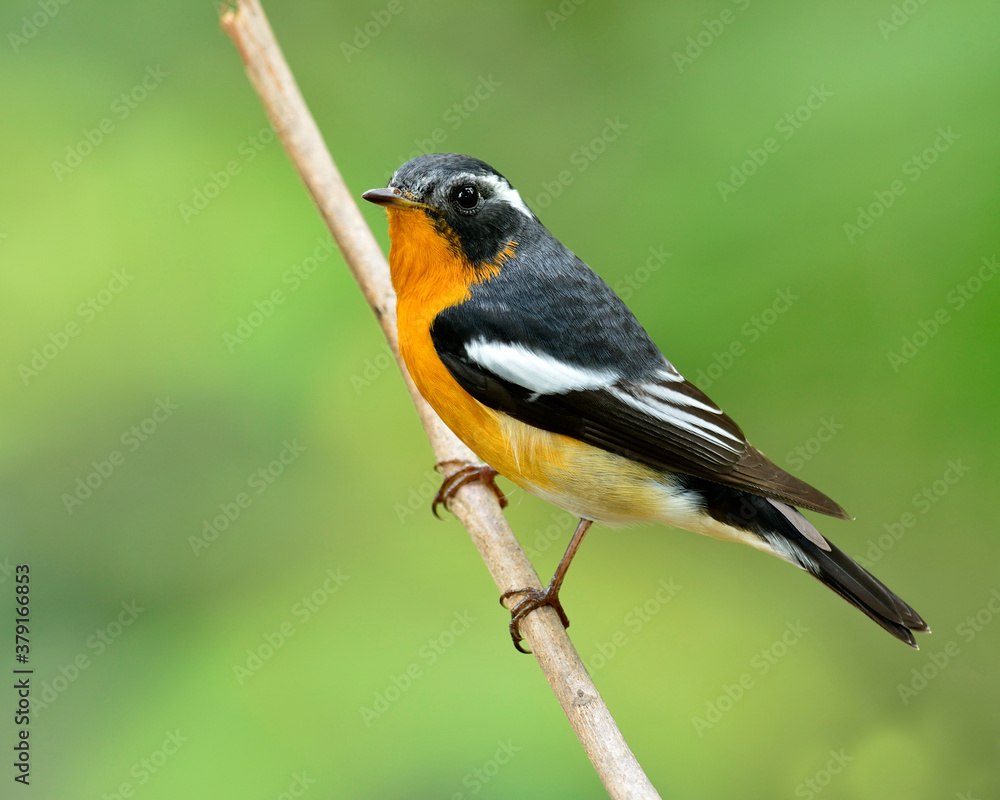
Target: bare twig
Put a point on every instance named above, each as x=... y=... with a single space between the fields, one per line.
x=474 y=505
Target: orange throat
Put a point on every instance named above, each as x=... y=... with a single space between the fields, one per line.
x=430 y=274
x=429 y=271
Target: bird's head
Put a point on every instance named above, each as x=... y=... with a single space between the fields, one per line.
x=467 y=201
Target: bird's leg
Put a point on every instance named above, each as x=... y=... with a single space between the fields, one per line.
x=465 y=474
x=549 y=596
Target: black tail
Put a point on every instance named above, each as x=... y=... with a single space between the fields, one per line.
x=790 y=536
x=805 y=547
x=862 y=589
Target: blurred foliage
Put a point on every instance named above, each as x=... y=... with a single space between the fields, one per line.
x=168 y=293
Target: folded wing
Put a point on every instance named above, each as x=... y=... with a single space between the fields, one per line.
x=657 y=418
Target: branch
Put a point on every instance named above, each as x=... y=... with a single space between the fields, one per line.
x=474 y=505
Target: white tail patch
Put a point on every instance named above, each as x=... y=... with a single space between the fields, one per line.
x=802 y=525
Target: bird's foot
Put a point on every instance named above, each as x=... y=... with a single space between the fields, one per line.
x=467 y=473
x=533 y=598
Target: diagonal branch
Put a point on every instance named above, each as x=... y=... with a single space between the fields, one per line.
x=474 y=505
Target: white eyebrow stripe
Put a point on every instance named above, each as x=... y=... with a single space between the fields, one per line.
x=539 y=372
x=508 y=193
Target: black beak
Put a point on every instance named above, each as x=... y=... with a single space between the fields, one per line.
x=389 y=197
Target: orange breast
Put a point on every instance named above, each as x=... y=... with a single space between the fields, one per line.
x=429 y=275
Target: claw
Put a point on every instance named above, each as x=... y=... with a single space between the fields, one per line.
x=466 y=474
x=533 y=598
x=549 y=596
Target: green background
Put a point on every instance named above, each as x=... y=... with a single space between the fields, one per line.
x=820 y=709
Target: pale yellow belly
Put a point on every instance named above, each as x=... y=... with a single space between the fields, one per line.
x=584 y=480
x=594 y=484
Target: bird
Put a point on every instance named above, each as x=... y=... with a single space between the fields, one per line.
x=537 y=365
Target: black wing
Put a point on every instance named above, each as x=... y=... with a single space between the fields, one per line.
x=560 y=367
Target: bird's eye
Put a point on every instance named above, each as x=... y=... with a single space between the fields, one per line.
x=467 y=197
